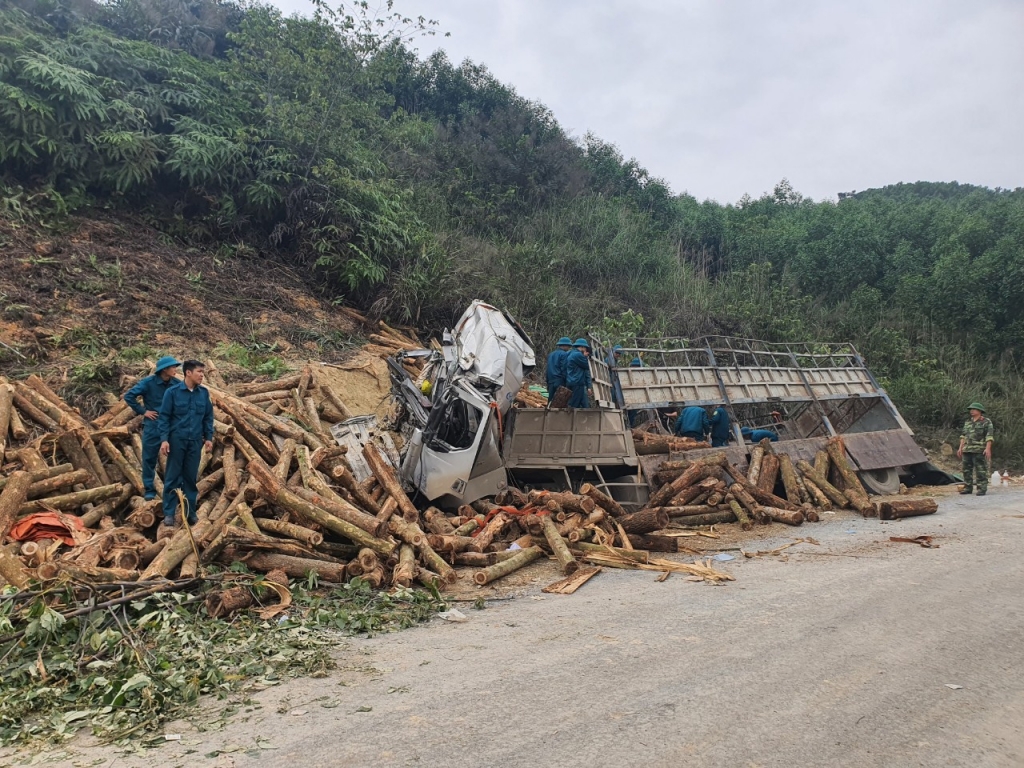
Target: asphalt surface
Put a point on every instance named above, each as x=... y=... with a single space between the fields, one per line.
x=840 y=654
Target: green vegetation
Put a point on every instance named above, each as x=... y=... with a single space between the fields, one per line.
x=413 y=186
x=124 y=669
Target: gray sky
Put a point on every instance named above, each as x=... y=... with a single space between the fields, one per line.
x=726 y=97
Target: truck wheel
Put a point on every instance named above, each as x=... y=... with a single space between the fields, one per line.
x=882 y=482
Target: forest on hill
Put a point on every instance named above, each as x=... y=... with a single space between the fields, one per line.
x=413 y=185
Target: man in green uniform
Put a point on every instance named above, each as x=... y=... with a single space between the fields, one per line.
x=976 y=449
x=151 y=389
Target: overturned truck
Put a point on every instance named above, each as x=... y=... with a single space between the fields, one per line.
x=465 y=440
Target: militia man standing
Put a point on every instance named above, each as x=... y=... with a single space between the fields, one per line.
x=976 y=449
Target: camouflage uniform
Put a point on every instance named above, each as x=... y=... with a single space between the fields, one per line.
x=976 y=434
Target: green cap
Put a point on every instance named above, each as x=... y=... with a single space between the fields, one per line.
x=976 y=407
x=166 y=362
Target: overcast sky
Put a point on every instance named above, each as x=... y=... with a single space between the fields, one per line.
x=726 y=97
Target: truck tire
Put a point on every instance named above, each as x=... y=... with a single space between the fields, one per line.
x=881 y=482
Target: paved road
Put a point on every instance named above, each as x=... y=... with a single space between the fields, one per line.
x=839 y=659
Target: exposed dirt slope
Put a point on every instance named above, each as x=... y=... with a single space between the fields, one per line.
x=105 y=296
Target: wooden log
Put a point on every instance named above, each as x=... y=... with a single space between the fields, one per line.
x=28 y=408
x=897 y=509
x=408 y=532
x=697 y=492
x=125 y=467
x=787 y=516
x=59 y=482
x=644 y=521
x=43 y=390
x=558 y=547
x=449 y=544
x=288 y=382
x=696 y=471
x=769 y=473
x=6 y=406
x=347 y=480
x=89 y=573
x=295 y=567
x=754 y=468
x=12 y=569
x=789 y=481
x=852 y=488
x=231 y=479
x=493 y=528
x=72 y=449
x=266 y=397
x=741 y=514
x=259 y=442
x=405 y=572
x=108 y=507
x=70 y=501
x=89 y=449
x=387 y=509
x=291 y=530
x=478 y=559
x=242 y=538
x=654 y=543
x=221 y=603
x=810 y=513
x=18 y=429
x=342 y=510
x=339 y=405
x=386 y=476
x=513 y=497
x=740 y=494
x=686 y=511
x=41 y=474
x=437 y=521
x=817 y=495
x=272 y=490
x=764 y=497
x=498 y=570
x=603 y=500
x=712 y=518
x=569 y=502
x=471 y=525
x=835 y=495
x=655 y=444
x=822 y=463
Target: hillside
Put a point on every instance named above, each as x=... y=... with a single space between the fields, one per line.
x=273 y=168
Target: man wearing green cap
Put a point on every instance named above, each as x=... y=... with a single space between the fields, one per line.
x=151 y=389
x=976 y=449
x=555 y=372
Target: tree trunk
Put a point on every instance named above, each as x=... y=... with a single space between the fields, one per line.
x=59 y=482
x=437 y=522
x=108 y=507
x=386 y=476
x=449 y=544
x=522 y=558
x=697 y=492
x=95 y=462
x=650 y=444
x=821 y=463
x=686 y=511
x=894 y=510
x=6 y=406
x=41 y=474
x=764 y=497
x=339 y=405
x=272 y=490
x=837 y=496
x=493 y=528
x=72 y=449
x=123 y=465
x=267 y=386
x=342 y=510
x=789 y=479
x=71 y=501
x=711 y=518
x=644 y=521
x=259 y=442
x=291 y=530
x=12 y=498
x=696 y=471
x=741 y=514
x=347 y=481
x=816 y=495
x=295 y=567
x=754 y=469
x=654 y=543
x=468 y=527
x=558 y=547
x=769 y=474
x=559 y=398
x=852 y=488
x=603 y=500
x=748 y=502
x=786 y=516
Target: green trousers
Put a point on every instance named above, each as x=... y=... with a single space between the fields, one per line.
x=975 y=471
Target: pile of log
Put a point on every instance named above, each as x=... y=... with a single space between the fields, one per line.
x=386 y=341
x=649 y=443
x=277 y=494
x=527 y=398
x=709 y=490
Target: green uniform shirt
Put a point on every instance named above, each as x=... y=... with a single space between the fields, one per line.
x=976 y=434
